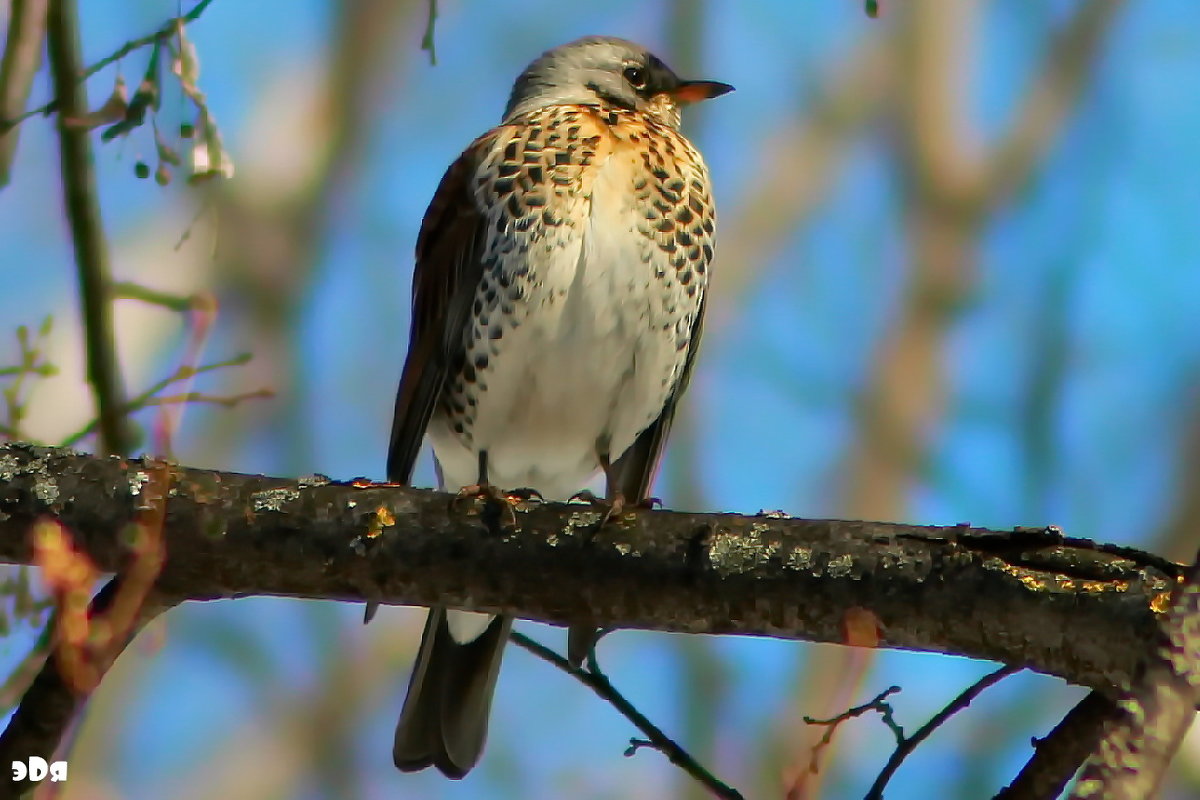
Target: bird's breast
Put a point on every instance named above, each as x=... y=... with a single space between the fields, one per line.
x=580 y=327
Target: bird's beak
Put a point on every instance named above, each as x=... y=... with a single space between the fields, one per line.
x=695 y=91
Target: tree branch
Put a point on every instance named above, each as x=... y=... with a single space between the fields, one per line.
x=1155 y=713
x=87 y=233
x=1029 y=598
x=164 y=32
x=598 y=682
x=1057 y=757
x=910 y=743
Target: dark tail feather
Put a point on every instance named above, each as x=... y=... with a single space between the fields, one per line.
x=580 y=641
x=445 y=716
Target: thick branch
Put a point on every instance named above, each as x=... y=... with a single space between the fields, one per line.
x=1028 y=598
x=1057 y=757
x=1156 y=711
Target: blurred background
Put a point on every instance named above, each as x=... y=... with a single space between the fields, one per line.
x=956 y=281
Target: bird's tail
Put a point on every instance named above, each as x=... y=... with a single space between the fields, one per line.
x=445 y=716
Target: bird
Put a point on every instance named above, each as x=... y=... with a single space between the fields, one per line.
x=557 y=301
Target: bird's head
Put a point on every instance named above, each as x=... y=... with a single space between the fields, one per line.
x=606 y=71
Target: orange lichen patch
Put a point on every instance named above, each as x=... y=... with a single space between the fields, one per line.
x=1024 y=576
x=1049 y=582
x=382 y=518
x=1161 y=603
x=861 y=627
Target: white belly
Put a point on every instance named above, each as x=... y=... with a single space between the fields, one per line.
x=594 y=357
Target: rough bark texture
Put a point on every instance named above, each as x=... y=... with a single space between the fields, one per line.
x=1028 y=597
x=1156 y=711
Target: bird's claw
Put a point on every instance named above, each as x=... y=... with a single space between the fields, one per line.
x=524 y=495
x=612 y=507
x=490 y=493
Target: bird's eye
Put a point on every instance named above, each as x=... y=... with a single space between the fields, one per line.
x=636 y=77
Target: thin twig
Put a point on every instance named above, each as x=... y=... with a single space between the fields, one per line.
x=598 y=682
x=128 y=290
x=87 y=232
x=200 y=323
x=228 y=401
x=910 y=743
x=164 y=33
x=879 y=703
x=427 y=43
x=144 y=399
x=31 y=363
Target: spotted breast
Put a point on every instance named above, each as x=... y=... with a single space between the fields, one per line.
x=596 y=243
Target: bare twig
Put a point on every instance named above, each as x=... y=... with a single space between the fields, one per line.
x=163 y=34
x=128 y=290
x=226 y=400
x=31 y=363
x=22 y=54
x=87 y=233
x=427 y=43
x=146 y=398
x=200 y=323
x=879 y=703
x=598 y=682
x=905 y=748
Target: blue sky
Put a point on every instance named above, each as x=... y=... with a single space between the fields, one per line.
x=1096 y=255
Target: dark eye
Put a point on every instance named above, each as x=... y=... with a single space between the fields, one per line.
x=636 y=77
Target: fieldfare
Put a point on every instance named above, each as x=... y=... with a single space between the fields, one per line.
x=557 y=301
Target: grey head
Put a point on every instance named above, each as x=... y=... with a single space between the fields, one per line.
x=606 y=71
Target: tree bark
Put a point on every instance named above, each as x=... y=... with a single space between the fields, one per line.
x=1027 y=597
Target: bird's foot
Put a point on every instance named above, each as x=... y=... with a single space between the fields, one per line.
x=524 y=495
x=612 y=508
x=585 y=496
x=490 y=493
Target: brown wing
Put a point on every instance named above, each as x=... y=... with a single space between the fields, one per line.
x=448 y=266
x=635 y=469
